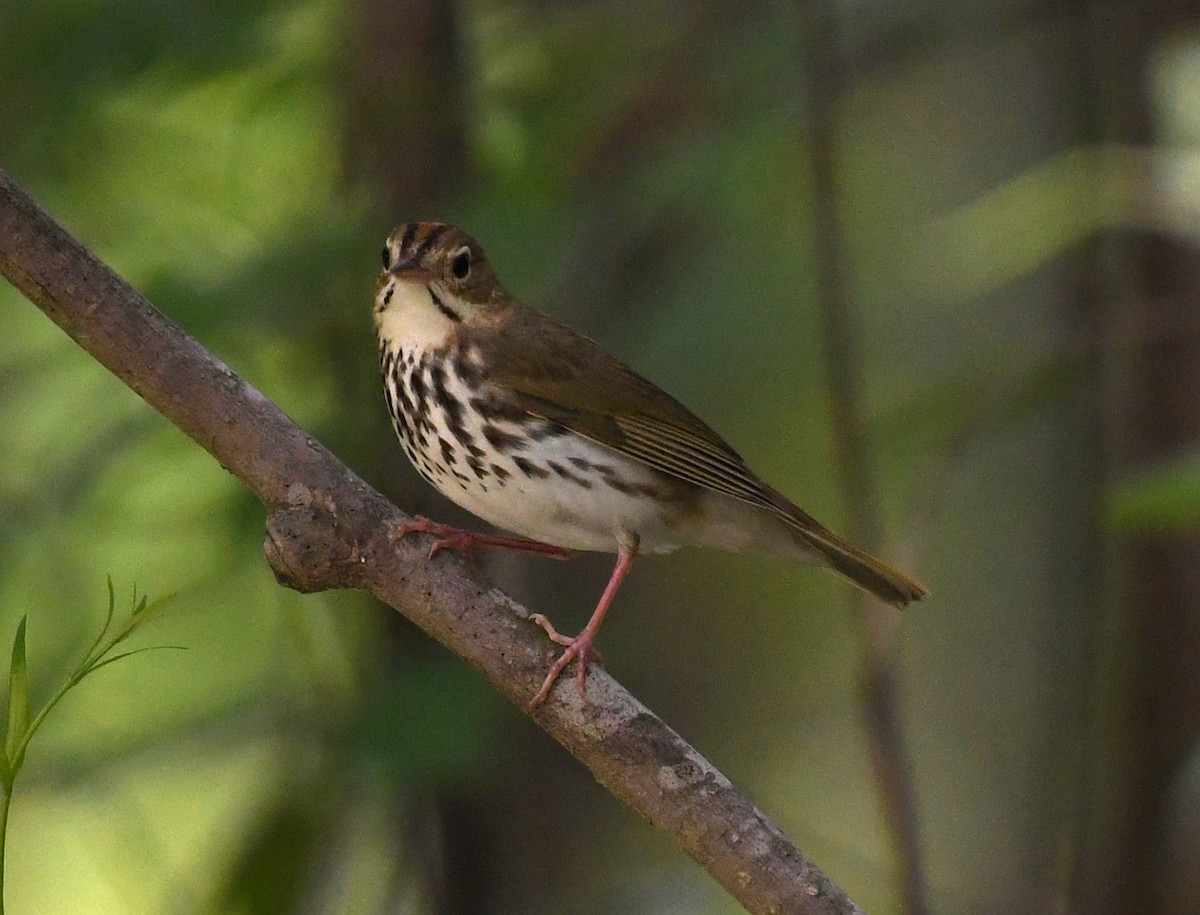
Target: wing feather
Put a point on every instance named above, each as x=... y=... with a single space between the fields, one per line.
x=679 y=452
x=557 y=374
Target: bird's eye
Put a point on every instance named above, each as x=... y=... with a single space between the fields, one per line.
x=387 y=257
x=461 y=265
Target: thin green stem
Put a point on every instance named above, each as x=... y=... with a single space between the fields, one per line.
x=5 y=800
x=19 y=756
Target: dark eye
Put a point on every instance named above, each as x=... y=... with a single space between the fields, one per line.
x=461 y=265
x=387 y=257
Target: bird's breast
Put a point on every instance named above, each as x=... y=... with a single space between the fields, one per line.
x=537 y=478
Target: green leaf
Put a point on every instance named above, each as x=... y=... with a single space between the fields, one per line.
x=1164 y=499
x=108 y=618
x=146 y=611
x=18 y=695
x=127 y=654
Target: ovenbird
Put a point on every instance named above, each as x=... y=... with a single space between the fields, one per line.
x=537 y=430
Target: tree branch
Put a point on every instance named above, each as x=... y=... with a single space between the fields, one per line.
x=326 y=528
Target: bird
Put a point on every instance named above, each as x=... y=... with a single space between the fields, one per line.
x=536 y=429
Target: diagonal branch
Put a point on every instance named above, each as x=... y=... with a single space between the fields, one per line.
x=326 y=528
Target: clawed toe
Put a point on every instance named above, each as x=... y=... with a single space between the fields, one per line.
x=553 y=634
x=558 y=638
x=579 y=648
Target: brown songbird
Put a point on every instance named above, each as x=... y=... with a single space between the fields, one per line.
x=537 y=430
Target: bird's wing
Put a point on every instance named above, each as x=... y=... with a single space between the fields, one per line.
x=566 y=378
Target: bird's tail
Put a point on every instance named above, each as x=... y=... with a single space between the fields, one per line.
x=888 y=584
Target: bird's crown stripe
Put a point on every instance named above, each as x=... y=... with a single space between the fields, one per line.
x=435 y=232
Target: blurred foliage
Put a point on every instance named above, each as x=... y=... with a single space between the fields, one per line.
x=635 y=168
x=1164 y=499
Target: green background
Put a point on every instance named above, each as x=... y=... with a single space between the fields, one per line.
x=641 y=171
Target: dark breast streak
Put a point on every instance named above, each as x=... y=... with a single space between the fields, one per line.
x=459 y=432
x=428 y=399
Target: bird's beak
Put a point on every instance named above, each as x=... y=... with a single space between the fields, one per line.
x=410 y=270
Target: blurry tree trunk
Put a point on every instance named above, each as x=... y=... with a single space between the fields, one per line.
x=1164 y=714
x=405 y=145
x=405 y=140
x=406 y=116
x=1159 y=279
x=828 y=80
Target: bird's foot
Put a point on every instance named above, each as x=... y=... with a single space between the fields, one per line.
x=557 y=637
x=464 y=542
x=579 y=648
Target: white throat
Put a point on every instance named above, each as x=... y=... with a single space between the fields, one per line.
x=410 y=321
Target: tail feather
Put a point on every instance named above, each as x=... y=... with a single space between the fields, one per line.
x=888 y=584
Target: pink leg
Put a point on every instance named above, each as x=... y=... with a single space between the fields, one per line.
x=581 y=646
x=464 y=542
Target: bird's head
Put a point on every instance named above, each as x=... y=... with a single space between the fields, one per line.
x=434 y=273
